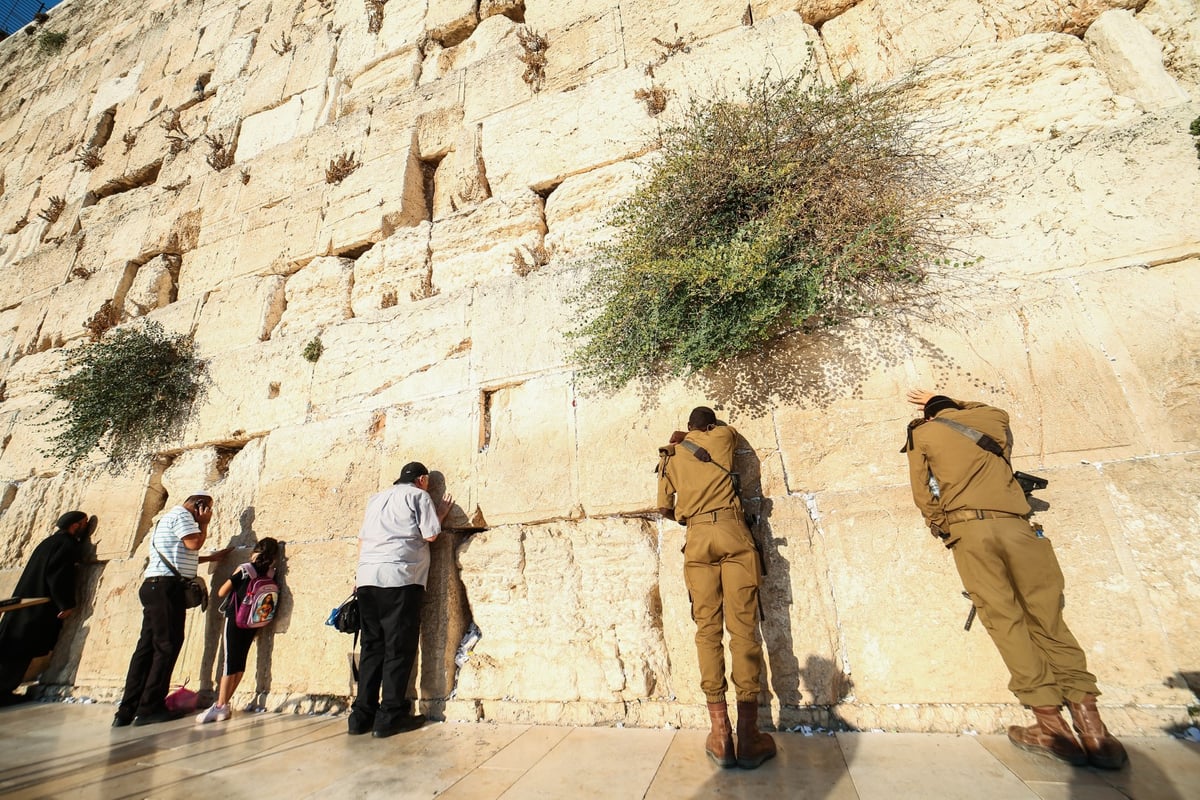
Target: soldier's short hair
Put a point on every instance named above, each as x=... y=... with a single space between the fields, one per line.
x=701 y=418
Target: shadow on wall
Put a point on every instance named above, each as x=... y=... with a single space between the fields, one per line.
x=445 y=616
x=63 y=666
x=212 y=660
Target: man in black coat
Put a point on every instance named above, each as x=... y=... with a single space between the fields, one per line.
x=32 y=632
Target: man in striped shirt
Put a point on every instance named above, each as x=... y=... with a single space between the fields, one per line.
x=177 y=538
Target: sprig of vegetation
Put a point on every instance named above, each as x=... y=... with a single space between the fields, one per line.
x=124 y=394
x=313 y=350
x=51 y=42
x=793 y=205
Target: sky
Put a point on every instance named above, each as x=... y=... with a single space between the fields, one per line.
x=15 y=14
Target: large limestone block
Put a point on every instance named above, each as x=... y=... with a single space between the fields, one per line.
x=358 y=49
x=70 y=306
x=384 y=194
x=451 y=21
x=496 y=32
x=875 y=40
x=579 y=208
x=377 y=84
x=317 y=295
x=675 y=22
x=1097 y=199
x=299 y=115
x=278 y=238
x=460 y=180
x=801 y=628
x=216 y=25
x=232 y=60
x=1034 y=88
x=113 y=625
x=1094 y=520
x=153 y=286
x=392 y=272
x=314 y=54
x=535 y=305
x=296 y=654
x=1176 y=25
x=583 y=49
x=272 y=380
x=1155 y=504
x=1149 y=328
x=443 y=434
x=417 y=351
x=242 y=313
x=492 y=84
x=40 y=271
x=316 y=479
x=556 y=135
x=816 y=12
x=528 y=459
x=904 y=623
x=1016 y=17
x=1131 y=59
x=569 y=611
x=481 y=242
x=115 y=90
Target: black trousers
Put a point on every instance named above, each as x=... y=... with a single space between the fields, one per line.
x=12 y=672
x=391 y=631
x=161 y=639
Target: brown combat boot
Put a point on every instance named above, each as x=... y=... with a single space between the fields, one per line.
x=1050 y=736
x=753 y=746
x=1103 y=749
x=719 y=744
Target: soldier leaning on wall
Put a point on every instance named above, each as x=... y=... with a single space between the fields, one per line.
x=721 y=570
x=962 y=480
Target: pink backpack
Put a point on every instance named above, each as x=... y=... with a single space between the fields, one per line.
x=260 y=599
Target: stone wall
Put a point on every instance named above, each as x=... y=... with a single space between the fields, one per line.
x=443 y=333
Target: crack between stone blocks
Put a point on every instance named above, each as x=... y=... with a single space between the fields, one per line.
x=814 y=514
x=1037 y=391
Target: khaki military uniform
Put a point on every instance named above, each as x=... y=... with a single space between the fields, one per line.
x=721 y=567
x=1006 y=565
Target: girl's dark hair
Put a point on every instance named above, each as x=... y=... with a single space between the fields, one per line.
x=265 y=553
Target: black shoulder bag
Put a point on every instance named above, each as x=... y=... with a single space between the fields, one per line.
x=195 y=593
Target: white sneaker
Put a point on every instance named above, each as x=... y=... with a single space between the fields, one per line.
x=214 y=714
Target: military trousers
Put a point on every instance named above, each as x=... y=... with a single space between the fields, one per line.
x=721 y=572
x=1016 y=585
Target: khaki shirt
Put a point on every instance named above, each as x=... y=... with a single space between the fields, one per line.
x=690 y=486
x=969 y=476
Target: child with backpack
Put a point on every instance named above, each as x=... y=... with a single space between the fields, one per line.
x=251 y=599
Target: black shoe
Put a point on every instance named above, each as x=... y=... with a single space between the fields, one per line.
x=406 y=724
x=153 y=718
x=121 y=720
x=356 y=726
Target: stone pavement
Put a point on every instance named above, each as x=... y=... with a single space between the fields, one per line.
x=50 y=750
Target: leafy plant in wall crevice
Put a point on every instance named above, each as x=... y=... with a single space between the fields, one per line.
x=124 y=395
x=793 y=205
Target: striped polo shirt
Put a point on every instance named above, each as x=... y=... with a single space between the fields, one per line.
x=168 y=538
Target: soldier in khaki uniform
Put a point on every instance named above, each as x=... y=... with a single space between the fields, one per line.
x=977 y=508
x=721 y=570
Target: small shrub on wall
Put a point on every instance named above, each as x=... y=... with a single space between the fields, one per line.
x=125 y=394
x=795 y=205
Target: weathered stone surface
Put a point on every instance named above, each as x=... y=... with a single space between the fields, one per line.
x=1035 y=88
x=460 y=180
x=557 y=585
x=535 y=304
x=1145 y=322
x=242 y=313
x=1131 y=59
x=481 y=242
x=393 y=271
x=1176 y=25
x=153 y=286
x=577 y=211
x=512 y=487
x=317 y=295
x=416 y=350
x=451 y=21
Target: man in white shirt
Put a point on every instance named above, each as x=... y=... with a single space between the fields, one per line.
x=393 y=566
x=178 y=537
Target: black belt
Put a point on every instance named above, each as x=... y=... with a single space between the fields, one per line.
x=164 y=579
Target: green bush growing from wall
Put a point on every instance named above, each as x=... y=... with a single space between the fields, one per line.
x=51 y=42
x=794 y=205
x=125 y=394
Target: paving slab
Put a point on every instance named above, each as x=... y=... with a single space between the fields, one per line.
x=60 y=750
